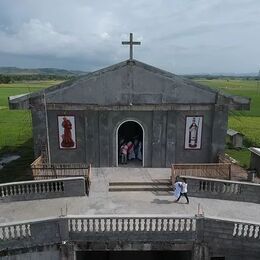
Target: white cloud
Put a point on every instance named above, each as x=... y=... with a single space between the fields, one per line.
x=182 y=36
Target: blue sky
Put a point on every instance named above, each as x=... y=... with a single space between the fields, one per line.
x=181 y=36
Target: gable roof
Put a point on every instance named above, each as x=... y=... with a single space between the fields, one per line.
x=131 y=82
x=232 y=132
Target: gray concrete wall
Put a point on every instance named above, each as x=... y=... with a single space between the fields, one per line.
x=222 y=189
x=39 y=125
x=212 y=238
x=35 y=254
x=163 y=138
x=223 y=241
x=255 y=163
x=44 y=189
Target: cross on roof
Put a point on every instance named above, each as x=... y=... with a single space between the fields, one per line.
x=131 y=43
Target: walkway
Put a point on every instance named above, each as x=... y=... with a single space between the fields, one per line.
x=102 y=202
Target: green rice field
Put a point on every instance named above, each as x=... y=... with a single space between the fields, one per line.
x=246 y=122
x=16 y=130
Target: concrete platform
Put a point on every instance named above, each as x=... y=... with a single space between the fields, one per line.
x=103 y=202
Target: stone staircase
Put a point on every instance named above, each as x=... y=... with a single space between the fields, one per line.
x=154 y=185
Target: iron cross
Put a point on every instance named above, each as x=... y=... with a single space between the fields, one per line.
x=131 y=43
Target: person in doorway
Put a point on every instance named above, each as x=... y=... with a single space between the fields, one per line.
x=184 y=190
x=131 y=153
x=136 y=145
x=123 y=153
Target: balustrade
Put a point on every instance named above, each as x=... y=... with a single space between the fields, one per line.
x=129 y=224
x=19 y=231
x=244 y=230
x=18 y=189
x=219 y=187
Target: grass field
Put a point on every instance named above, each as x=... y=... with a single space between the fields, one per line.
x=16 y=129
x=246 y=122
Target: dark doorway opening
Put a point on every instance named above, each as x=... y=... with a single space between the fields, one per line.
x=136 y=255
x=130 y=144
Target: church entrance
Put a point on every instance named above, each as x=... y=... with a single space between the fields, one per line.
x=130 y=139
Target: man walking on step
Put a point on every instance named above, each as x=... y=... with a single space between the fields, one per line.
x=184 y=191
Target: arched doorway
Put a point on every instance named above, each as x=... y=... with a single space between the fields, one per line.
x=130 y=140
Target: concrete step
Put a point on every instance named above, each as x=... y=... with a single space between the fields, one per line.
x=139 y=188
x=155 y=185
x=142 y=183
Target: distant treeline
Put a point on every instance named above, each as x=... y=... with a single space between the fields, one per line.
x=211 y=77
x=14 y=78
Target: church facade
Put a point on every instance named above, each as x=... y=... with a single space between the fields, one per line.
x=162 y=118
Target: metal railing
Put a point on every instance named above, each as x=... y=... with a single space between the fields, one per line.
x=42 y=170
x=207 y=170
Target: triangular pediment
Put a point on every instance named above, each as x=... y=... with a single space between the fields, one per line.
x=130 y=82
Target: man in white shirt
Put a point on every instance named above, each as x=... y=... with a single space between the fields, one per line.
x=184 y=191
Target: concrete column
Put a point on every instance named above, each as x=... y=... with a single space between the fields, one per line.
x=219 y=131
x=104 y=139
x=67 y=252
x=170 y=138
x=158 y=133
x=200 y=252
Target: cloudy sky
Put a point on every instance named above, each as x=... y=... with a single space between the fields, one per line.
x=181 y=36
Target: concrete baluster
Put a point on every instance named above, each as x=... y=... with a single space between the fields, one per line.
x=251 y=231
x=257 y=232
x=207 y=186
x=110 y=224
x=176 y=224
x=27 y=231
x=245 y=233
x=240 y=230
x=188 y=225
x=70 y=225
x=55 y=188
x=4 y=233
x=167 y=226
x=136 y=224
x=9 y=232
x=76 y=225
x=62 y=186
x=182 y=224
x=82 y=229
x=150 y=224
x=15 y=231
x=105 y=221
x=116 y=225
x=15 y=189
x=155 y=220
x=235 y=230
x=87 y=226
x=99 y=225
x=10 y=191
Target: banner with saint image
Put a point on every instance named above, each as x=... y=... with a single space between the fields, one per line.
x=67 y=133
x=193 y=132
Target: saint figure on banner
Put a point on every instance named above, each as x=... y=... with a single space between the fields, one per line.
x=67 y=140
x=193 y=134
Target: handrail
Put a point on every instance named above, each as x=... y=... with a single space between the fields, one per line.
x=209 y=170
